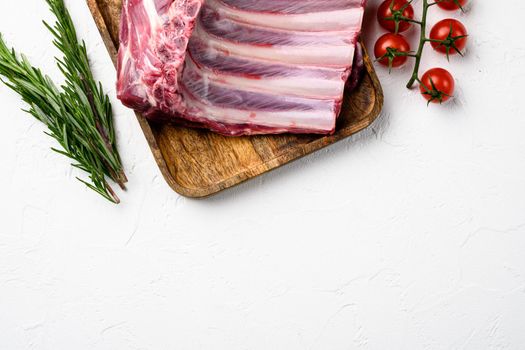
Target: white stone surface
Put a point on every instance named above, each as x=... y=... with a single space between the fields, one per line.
x=410 y=235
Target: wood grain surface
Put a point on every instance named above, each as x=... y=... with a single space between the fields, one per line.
x=199 y=163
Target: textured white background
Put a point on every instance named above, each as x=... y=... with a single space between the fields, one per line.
x=410 y=235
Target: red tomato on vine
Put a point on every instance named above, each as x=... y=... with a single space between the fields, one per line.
x=452 y=5
x=449 y=36
x=390 y=12
x=437 y=85
x=391 y=50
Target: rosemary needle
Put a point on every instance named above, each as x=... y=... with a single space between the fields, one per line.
x=78 y=114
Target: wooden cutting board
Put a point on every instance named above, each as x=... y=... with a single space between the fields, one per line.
x=199 y=163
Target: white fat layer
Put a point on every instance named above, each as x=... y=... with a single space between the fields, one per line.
x=313 y=120
x=316 y=88
x=347 y=19
x=322 y=55
x=155 y=21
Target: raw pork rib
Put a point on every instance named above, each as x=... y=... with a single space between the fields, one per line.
x=239 y=67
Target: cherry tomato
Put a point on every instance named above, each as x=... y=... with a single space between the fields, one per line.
x=385 y=11
x=453 y=34
x=388 y=47
x=452 y=5
x=437 y=85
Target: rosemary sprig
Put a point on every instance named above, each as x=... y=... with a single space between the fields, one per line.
x=79 y=114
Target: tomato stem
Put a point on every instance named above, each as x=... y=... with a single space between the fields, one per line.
x=404 y=19
x=422 y=41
